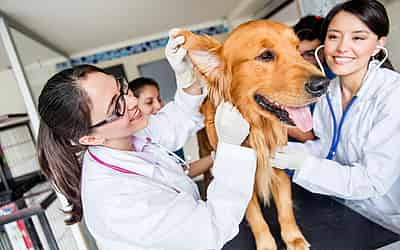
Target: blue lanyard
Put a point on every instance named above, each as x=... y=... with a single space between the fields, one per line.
x=337 y=131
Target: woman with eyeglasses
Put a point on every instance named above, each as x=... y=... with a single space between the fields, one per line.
x=137 y=195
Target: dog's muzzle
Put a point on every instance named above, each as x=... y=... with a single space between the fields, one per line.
x=274 y=108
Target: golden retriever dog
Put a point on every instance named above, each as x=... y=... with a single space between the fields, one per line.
x=259 y=69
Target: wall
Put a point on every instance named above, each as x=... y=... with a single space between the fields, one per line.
x=289 y=15
x=393 y=9
x=10 y=97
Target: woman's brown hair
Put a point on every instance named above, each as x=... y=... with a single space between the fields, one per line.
x=64 y=110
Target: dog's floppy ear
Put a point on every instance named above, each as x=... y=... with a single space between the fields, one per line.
x=205 y=54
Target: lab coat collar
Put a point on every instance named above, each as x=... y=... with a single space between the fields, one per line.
x=369 y=82
x=368 y=85
x=137 y=161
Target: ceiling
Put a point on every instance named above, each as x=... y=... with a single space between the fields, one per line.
x=76 y=26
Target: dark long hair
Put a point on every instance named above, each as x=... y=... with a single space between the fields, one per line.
x=64 y=110
x=371 y=12
x=137 y=85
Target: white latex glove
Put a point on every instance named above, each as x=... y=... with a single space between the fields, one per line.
x=231 y=127
x=290 y=158
x=180 y=63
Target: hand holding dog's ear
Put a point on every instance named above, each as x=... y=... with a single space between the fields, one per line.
x=230 y=125
x=180 y=63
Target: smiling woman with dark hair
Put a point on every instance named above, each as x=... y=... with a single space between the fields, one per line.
x=356 y=157
x=134 y=194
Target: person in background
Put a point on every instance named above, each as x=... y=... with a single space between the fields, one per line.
x=308 y=30
x=147 y=92
x=356 y=158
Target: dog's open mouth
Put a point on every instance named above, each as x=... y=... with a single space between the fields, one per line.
x=293 y=116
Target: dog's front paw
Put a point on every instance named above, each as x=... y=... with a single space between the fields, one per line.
x=293 y=238
x=264 y=242
x=298 y=244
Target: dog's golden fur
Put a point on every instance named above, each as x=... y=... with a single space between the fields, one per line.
x=257 y=58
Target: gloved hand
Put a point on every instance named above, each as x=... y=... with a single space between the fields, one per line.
x=230 y=125
x=180 y=63
x=290 y=158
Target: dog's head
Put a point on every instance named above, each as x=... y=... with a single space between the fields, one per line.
x=259 y=69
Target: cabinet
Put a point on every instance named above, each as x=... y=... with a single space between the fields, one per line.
x=19 y=168
x=19 y=173
x=25 y=194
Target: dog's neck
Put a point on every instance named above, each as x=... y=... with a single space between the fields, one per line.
x=275 y=134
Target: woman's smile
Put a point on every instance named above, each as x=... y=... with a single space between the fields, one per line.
x=341 y=60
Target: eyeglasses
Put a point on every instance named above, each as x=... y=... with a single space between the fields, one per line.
x=120 y=103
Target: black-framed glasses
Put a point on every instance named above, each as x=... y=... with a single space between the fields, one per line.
x=120 y=103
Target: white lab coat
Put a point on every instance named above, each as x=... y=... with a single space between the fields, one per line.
x=366 y=169
x=125 y=211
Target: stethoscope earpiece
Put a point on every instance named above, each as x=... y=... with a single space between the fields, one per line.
x=317 y=58
x=386 y=55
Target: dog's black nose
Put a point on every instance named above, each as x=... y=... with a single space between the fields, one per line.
x=317 y=86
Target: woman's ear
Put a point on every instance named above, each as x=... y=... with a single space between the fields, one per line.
x=92 y=140
x=381 y=43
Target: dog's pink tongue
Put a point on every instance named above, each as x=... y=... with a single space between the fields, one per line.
x=301 y=117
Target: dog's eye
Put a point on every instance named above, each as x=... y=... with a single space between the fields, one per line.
x=266 y=56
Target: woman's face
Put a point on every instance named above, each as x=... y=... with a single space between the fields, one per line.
x=349 y=44
x=103 y=90
x=149 y=101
